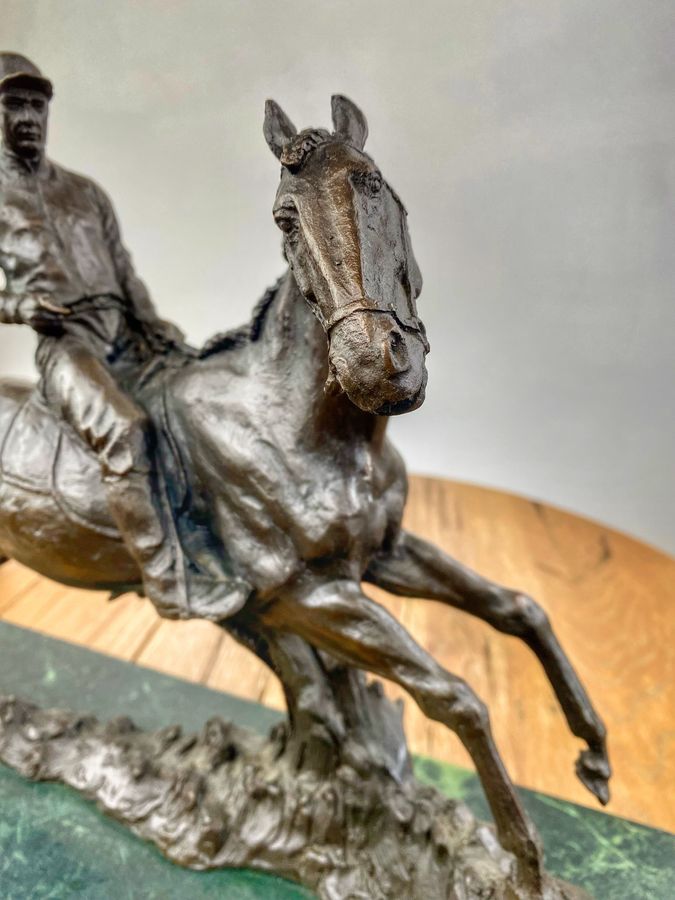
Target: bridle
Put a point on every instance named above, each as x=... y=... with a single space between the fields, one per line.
x=414 y=325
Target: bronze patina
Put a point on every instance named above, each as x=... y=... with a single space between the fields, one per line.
x=260 y=491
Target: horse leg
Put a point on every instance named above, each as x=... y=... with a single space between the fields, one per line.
x=316 y=724
x=416 y=568
x=334 y=714
x=338 y=618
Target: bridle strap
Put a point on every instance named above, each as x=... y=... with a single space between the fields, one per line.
x=357 y=306
x=349 y=309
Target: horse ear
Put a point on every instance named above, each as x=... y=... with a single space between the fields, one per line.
x=278 y=128
x=349 y=121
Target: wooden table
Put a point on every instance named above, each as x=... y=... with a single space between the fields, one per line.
x=610 y=598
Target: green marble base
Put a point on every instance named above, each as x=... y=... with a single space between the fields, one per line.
x=54 y=844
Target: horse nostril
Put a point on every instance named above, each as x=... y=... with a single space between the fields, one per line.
x=395 y=340
x=396 y=353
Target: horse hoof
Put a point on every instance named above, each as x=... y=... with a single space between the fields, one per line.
x=594 y=771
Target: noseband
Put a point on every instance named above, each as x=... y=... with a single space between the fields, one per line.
x=412 y=326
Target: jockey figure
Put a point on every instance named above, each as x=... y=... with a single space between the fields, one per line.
x=59 y=243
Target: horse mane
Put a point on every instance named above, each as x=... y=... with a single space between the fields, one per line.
x=242 y=334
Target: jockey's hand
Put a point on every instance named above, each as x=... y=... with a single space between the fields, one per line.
x=42 y=314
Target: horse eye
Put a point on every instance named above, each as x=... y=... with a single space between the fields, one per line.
x=375 y=182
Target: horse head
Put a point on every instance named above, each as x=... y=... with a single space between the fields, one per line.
x=346 y=240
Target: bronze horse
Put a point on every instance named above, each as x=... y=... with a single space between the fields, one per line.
x=284 y=488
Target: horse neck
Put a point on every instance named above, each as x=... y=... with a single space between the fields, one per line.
x=295 y=348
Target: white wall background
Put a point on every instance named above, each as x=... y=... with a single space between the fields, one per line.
x=533 y=142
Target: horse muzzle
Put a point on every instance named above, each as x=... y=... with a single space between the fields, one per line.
x=379 y=364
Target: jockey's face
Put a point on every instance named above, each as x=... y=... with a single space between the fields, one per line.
x=24 y=122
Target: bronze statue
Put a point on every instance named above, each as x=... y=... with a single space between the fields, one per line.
x=268 y=448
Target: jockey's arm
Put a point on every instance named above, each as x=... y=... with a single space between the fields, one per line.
x=13 y=307
x=9 y=309
x=134 y=289
x=28 y=295
x=34 y=310
x=33 y=287
x=132 y=286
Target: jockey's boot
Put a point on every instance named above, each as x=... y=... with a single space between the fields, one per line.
x=152 y=543
x=216 y=597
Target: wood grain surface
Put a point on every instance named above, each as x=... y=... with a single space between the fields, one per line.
x=611 y=600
